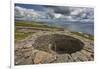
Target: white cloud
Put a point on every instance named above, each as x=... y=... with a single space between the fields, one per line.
x=27 y=13
x=31 y=14
x=76 y=11
x=57 y=15
x=76 y=14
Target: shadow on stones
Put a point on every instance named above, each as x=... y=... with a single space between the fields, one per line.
x=60 y=44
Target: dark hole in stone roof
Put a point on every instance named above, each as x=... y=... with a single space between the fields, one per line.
x=58 y=43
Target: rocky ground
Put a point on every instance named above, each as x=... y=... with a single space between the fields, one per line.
x=26 y=53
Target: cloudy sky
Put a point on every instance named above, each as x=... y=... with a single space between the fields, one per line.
x=44 y=12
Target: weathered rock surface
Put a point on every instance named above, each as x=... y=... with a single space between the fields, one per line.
x=44 y=57
x=25 y=53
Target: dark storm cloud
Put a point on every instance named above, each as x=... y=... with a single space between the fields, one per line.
x=60 y=9
x=55 y=12
x=66 y=10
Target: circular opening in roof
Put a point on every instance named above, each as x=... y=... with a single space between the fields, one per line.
x=58 y=43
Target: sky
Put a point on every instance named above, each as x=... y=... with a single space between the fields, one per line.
x=47 y=12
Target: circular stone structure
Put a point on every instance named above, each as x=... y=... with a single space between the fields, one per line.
x=58 y=43
x=53 y=47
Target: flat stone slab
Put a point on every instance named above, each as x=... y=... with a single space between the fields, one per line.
x=43 y=57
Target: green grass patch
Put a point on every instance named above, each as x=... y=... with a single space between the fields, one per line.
x=19 y=35
x=33 y=24
x=87 y=36
x=22 y=35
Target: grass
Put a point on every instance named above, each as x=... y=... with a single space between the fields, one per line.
x=39 y=26
x=20 y=35
x=33 y=24
x=87 y=36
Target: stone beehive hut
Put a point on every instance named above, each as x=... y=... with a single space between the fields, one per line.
x=57 y=47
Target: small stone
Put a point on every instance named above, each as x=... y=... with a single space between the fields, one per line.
x=27 y=54
x=28 y=60
x=27 y=46
x=70 y=59
x=26 y=49
x=75 y=57
x=19 y=61
x=79 y=56
x=86 y=53
x=89 y=49
x=62 y=58
x=43 y=57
